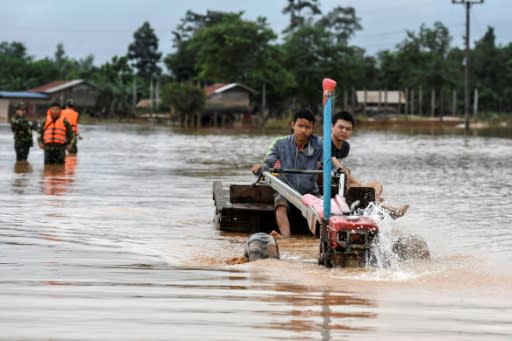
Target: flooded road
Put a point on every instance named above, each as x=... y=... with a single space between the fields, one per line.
x=118 y=244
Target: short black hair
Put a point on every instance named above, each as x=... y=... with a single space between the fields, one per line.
x=305 y=114
x=345 y=116
x=55 y=104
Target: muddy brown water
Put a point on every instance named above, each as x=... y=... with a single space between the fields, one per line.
x=119 y=245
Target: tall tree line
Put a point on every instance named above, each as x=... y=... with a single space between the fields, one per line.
x=224 y=47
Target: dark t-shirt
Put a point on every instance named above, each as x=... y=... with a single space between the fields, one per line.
x=342 y=152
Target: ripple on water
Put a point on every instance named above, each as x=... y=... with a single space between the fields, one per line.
x=123 y=247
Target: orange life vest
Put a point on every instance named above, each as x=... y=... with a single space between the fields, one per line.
x=72 y=116
x=55 y=131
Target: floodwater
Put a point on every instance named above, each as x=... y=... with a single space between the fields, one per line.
x=119 y=244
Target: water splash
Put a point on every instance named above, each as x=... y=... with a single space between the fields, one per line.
x=382 y=251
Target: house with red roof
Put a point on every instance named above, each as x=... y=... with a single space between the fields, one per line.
x=83 y=93
x=37 y=100
x=227 y=103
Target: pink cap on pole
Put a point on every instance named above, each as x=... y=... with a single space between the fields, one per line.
x=328 y=84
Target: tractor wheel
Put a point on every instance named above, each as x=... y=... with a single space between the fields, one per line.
x=323 y=258
x=411 y=246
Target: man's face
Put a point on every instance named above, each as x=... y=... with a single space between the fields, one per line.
x=20 y=112
x=342 y=130
x=55 y=112
x=302 y=130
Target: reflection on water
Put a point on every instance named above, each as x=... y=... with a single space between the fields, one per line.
x=118 y=244
x=57 y=179
x=22 y=168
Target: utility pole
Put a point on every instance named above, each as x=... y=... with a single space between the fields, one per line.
x=467 y=4
x=151 y=97
x=134 y=95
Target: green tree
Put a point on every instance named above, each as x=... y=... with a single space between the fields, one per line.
x=298 y=18
x=62 y=63
x=14 y=50
x=307 y=56
x=506 y=56
x=81 y=69
x=390 y=70
x=222 y=47
x=321 y=49
x=18 y=71
x=13 y=65
x=115 y=81
x=183 y=99
x=344 y=62
x=342 y=23
x=183 y=63
x=40 y=72
x=487 y=67
x=143 y=52
x=421 y=59
x=232 y=51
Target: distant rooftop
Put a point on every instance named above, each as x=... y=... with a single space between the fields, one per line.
x=57 y=86
x=210 y=90
x=221 y=87
x=381 y=96
x=22 y=95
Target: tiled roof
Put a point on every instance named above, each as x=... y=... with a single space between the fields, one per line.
x=221 y=87
x=210 y=90
x=146 y=103
x=57 y=86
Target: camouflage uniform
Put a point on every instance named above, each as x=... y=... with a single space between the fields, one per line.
x=22 y=130
x=72 y=116
x=55 y=153
x=74 y=147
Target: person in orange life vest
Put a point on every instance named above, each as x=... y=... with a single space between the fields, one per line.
x=55 y=136
x=71 y=115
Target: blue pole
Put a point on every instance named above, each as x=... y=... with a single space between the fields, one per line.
x=327 y=159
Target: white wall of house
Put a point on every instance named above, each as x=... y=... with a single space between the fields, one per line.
x=4 y=110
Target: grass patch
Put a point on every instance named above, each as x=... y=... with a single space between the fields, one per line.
x=278 y=123
x=494 y=118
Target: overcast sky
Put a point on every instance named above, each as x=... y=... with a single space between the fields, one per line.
x=104 y=28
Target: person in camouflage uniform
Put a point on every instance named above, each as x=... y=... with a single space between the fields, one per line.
x=55 y=136
x=22 y=130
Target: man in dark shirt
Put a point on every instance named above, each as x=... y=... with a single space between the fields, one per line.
x=342 y=127
x=299 y=150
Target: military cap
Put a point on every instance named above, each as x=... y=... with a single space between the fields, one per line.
x=20 y=106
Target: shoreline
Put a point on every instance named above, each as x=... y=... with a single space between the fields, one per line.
x=452 y=123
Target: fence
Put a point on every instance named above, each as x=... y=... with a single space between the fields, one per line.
x=410 y=101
